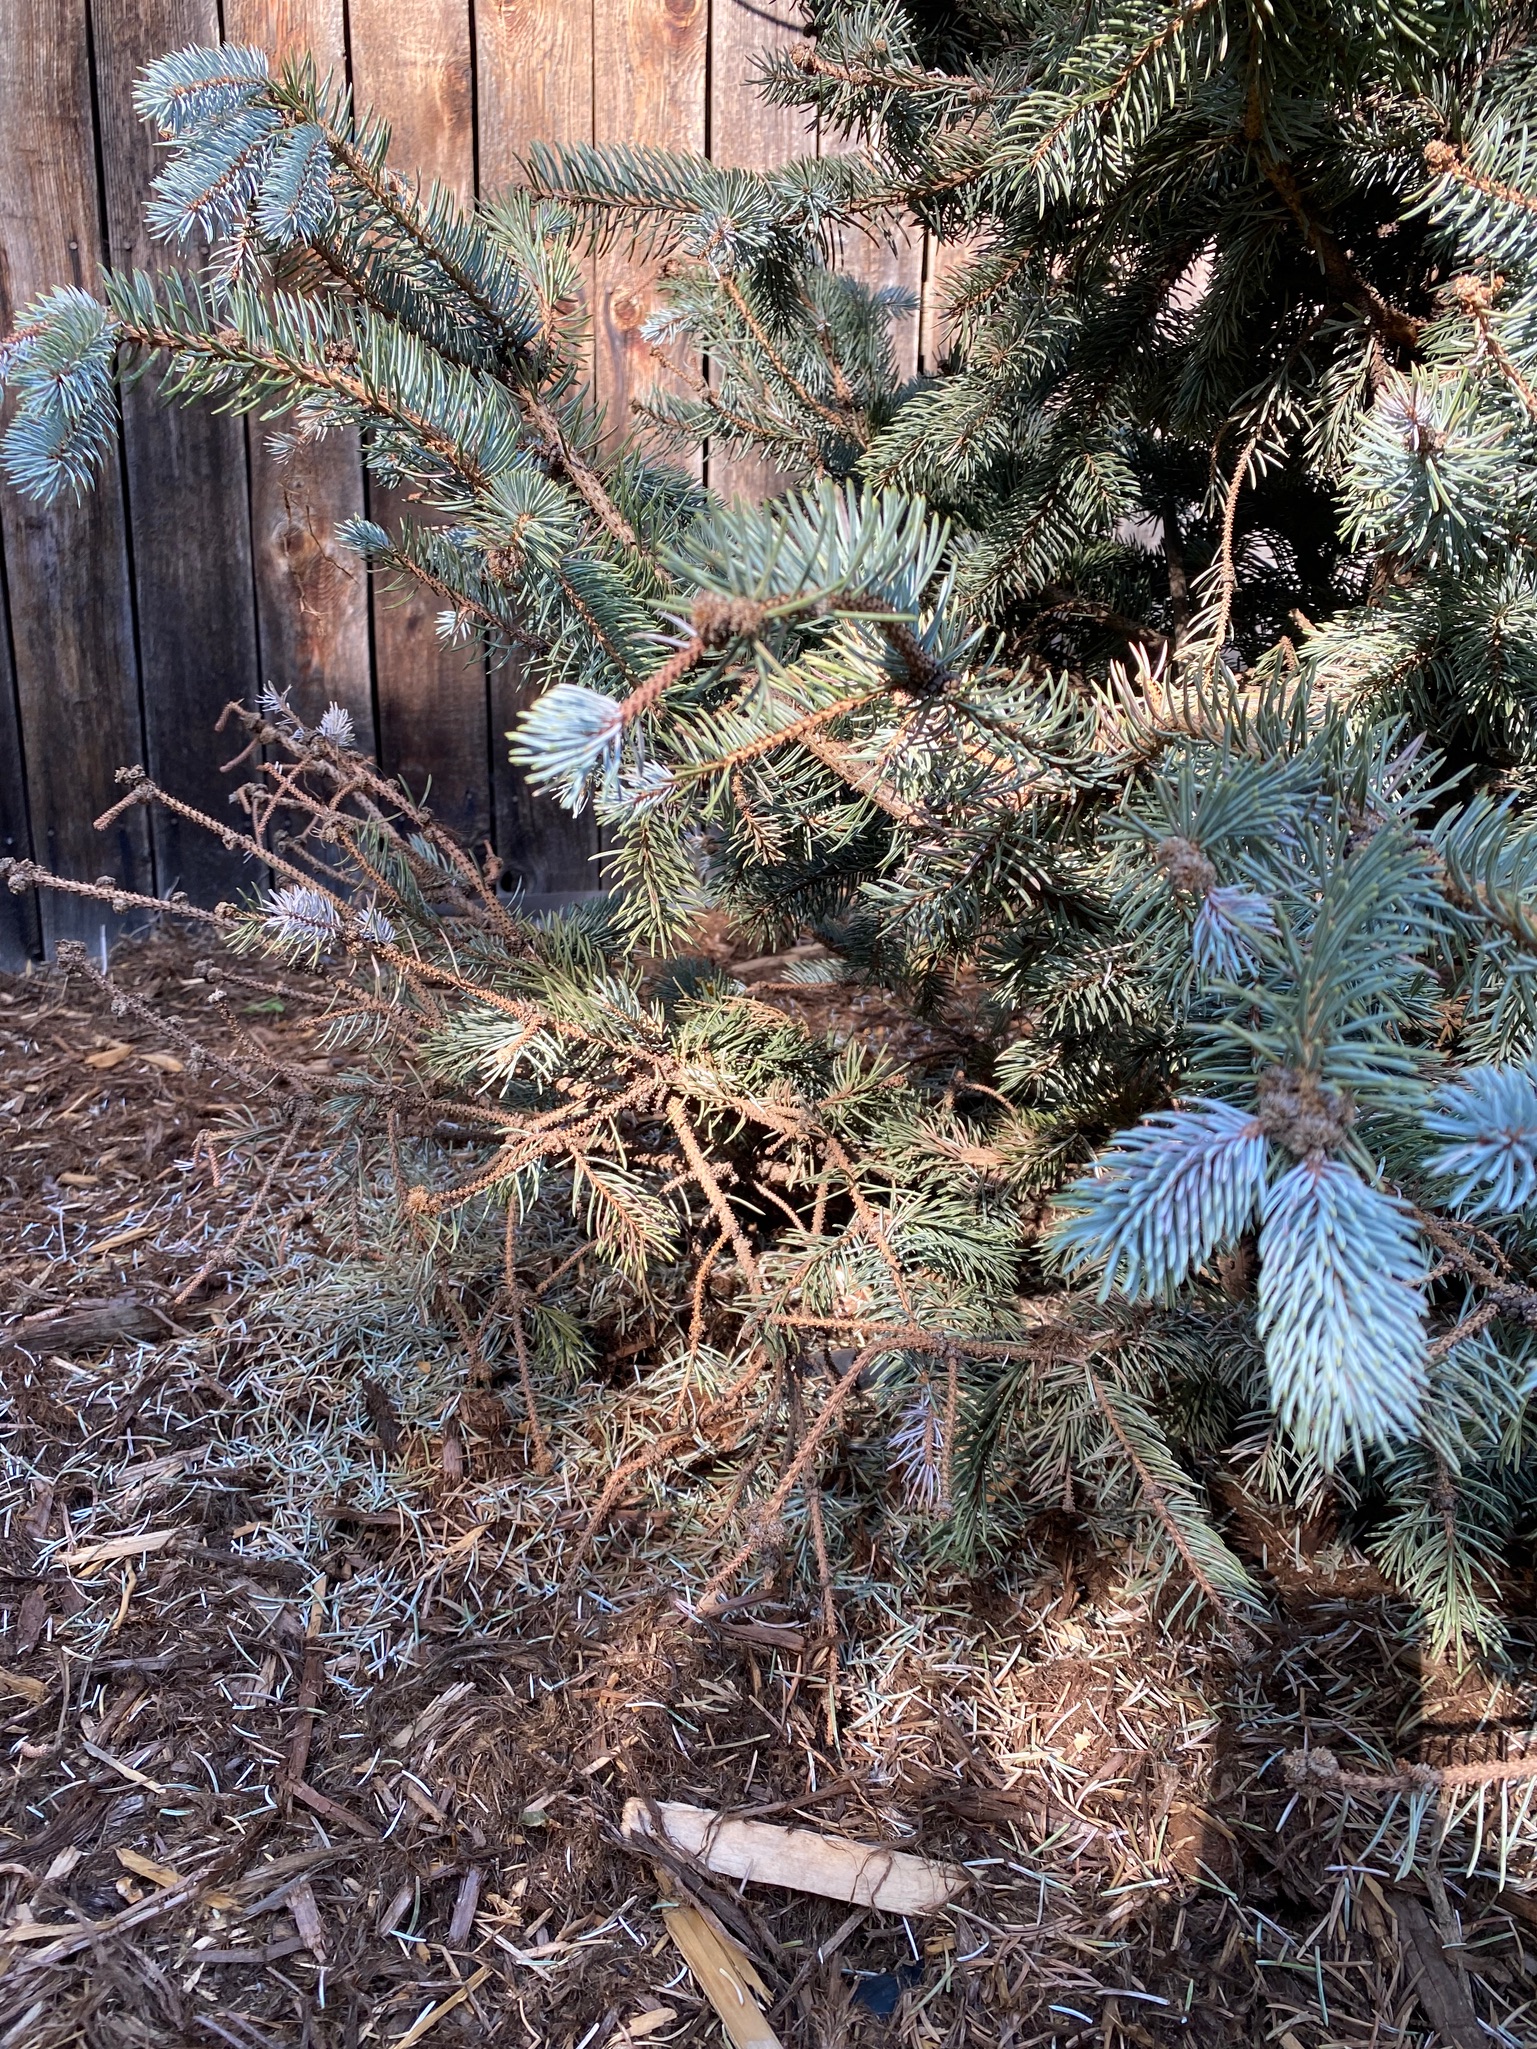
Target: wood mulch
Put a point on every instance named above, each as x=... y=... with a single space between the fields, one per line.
x=306 y=1741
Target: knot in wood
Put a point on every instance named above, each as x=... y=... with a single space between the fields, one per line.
x=1302 y=1113
x=719 y=621
x=1186 y=866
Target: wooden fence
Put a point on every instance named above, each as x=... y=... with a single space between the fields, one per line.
x=201 y=568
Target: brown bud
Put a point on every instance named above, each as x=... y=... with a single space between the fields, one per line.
x=719 y=621
x=1319 y=1767
x=1470 y=293
x=1302 y=1113
x=1186 y=866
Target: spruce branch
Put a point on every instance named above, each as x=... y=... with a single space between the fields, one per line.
x=1157 y=1496
x=1395 y=328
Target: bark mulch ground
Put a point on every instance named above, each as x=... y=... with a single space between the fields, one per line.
x=310 y=1738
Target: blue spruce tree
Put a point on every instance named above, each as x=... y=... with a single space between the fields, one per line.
x=1147 y=695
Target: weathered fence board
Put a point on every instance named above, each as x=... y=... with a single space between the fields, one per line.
x=206 y=563
x=311 y=593
x=19 y=934
x=534 y=82
x=188 y=501
x=411 y=63
x=67 y=585
x=747 y=133
x=650 y=63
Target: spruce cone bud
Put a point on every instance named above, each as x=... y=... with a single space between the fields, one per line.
x=719 y=621
x=1311 y=1767
x=1474 y=294
x=1186 y=866
x=1441 y=157
x=1302 y=1113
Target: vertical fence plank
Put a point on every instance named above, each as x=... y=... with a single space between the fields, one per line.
x=311 y=593
x=877 y=261
x=749 y=134
x=943 y=264
x=894 y=257
x=411 y=63
x=649 y=61
x=66 y=565
x=534 y=83
x=189 y=513
x=534 y=80
x=18 y=914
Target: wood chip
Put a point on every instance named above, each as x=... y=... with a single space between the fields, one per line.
x=18 y=1682
x=166 y=1062
x=331 y=1810
x=434 y=2014
x=724 y=1974
x=32 y=1620
x=312 y=1680
x=121 y=1238
x=763 y=1853
x=90 y=1328
x=380 y=1411
x=468 y=1900
x=422 y=1801
x=109 y=1056
x=118 y=1547
x=311 y=1929
x=395 y=1911
x=80 y=1181
x=258 y=1953
x=146 y=1867
x=121 y=1766
x=644 y=2024
x=1439 y=1986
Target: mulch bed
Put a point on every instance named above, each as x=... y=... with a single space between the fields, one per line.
x=310 y=1738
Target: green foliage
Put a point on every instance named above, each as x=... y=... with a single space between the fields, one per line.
x=1143 y=697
